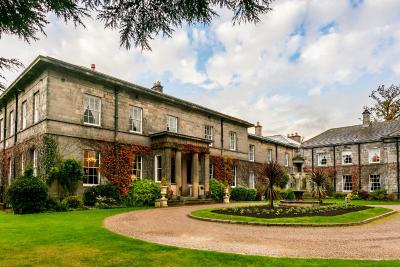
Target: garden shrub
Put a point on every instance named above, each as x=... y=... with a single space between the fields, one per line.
x=144 y=192
x=363 y=194
x=105 y=202
x=287 y=194
x=105 y=190
x=53 y=204
x=284 y=180
x=73 y=202
x=216 y=190
x=243 y=194
x=339 y=195
x=68 y=174
x=379 y=194
x=392 y=196
x=27 y=194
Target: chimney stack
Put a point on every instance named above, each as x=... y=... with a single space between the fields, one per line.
x=366 y=117
x=295 y=136
x=93 y=66
x=157 y=87
x=258 y=129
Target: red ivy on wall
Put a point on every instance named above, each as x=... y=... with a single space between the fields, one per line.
x=116 y=163
x=223 y=169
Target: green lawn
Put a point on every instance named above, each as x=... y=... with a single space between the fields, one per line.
x=364 y=202
x=344 y=218
x=78 y=239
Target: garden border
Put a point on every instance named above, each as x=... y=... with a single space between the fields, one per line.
x=389 y=213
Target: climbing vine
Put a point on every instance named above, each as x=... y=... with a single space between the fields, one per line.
x=223 y=168
x=116 y=163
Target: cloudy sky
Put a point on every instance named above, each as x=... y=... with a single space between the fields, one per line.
x=309 y=65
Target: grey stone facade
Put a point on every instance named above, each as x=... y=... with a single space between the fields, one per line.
x=63 y=87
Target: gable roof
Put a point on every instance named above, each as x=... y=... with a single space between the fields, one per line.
x=276 y=139
x=374 y=132
x=41 y=63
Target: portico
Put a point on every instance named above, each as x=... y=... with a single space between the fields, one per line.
x=185 y=163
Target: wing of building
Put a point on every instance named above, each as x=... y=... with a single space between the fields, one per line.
x=365 y=157
x=84 y=110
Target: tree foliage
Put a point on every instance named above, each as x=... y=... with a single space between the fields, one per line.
x=386 y=102
x=273 y=173
x=137 y=21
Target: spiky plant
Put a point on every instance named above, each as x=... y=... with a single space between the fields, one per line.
x=272 y=172
x=319 y=179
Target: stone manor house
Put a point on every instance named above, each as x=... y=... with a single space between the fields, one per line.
x=81 y=108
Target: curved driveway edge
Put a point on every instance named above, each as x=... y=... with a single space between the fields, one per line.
x=172 y=226
x=296 y=224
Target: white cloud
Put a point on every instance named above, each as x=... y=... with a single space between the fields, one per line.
x=282 y=72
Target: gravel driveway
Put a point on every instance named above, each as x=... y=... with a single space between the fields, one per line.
x=171 y=226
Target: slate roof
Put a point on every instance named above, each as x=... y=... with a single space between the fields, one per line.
x=374 y=132
x=41 y=63
x=277 y=139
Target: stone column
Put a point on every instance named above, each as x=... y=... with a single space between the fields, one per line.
x=166 y=164
x=206 y=173
x=195 y=174
x=178 y=172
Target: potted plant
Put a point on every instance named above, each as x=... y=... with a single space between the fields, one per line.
x=163 y=191
x=226 y=191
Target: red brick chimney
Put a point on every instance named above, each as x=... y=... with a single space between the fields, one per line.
x=258 y=129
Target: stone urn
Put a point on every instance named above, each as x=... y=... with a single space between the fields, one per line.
x=226 y=196
x=164 y=200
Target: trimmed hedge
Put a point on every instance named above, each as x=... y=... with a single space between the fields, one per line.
x=144 y=192
x=243 y=194
x=27 y=194
x=287 y=194
x=216 y=190
x=73 y=202
x=105 y=190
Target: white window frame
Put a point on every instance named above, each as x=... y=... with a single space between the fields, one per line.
x=36 y=105
x=320 y=157
x=269 y=155
x=10 y=171
x=12 y=123
x=286 y=159
x=345 y=155
x=172 y=124
x=133 y=120
x=345 y=184
x=232 y=141
x=1 y=129
x=234 y=176
x=35 y=162
x=85 y=179
x=24 y=115
x=208 y=133
x=372 y=183
x=372 y=152
x=137 y=166
x=87 y=105
x=252 y=152
x=251 y=180
x=157 y=160
x=211 y=171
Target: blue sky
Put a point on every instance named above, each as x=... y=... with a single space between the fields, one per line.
x=308 y=66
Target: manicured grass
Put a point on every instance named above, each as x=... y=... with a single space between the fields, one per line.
x=350 y=217
x=78 y=239
x=364 y=202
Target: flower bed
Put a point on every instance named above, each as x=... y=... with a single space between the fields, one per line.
x=289 y=212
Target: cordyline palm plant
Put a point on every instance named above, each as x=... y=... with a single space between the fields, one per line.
x=272 y=172
x=319 y=178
